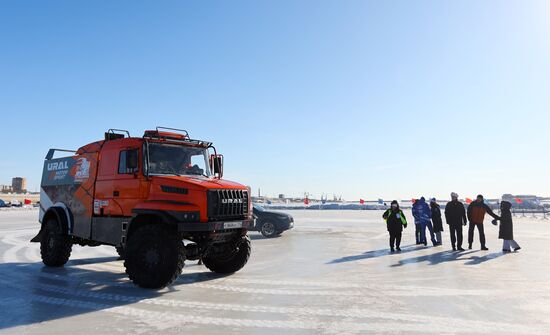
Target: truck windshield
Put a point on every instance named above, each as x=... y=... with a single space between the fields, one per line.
x=173 y=159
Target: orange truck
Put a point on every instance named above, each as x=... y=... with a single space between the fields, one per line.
x=145 y=196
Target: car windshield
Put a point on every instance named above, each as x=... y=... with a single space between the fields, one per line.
x=173 y=159
x=258 y=208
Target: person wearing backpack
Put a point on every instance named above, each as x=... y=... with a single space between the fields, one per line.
x=395 y=222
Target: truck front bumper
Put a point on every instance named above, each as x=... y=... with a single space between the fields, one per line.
x=214 y=226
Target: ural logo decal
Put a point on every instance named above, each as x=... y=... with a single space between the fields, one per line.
x=58 y=170
x=232 y=201
x=55 y=166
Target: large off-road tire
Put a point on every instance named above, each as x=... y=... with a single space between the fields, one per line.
x=232 y=262
x=154 y=258
x=120 y=252
x=268 y=229
x=55 y=244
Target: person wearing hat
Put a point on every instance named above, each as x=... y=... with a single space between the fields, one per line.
x=422 y=216
x=506 y=229
x=455 y=215
x=476 y=216
x=395 y=222
x=436 y=220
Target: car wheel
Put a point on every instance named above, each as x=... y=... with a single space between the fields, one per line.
x=268 y=229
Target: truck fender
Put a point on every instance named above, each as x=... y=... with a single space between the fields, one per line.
x=142 y=217
x=62 y=216
x=68 y=216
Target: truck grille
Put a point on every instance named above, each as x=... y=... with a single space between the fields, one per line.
x=227 y=205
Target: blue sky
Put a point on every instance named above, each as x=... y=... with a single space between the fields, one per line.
x=368 y=99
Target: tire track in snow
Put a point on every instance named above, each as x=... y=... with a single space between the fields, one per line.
x=162 y=320
x=17 y=244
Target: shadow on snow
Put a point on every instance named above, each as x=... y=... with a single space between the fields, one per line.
x=31 y=293
x=450 y=256
x=431 y=259
x=377 y=253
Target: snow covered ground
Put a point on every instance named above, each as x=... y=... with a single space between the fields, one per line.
x=332 y=274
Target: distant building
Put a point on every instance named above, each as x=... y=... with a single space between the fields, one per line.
x=281 y=196
x=6 y=189
x=19 y=185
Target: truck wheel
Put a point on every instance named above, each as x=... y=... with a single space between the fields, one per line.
x=120 y=252
x=153 y=257
x=268 y=229
x=230 y=263
x=55 y=244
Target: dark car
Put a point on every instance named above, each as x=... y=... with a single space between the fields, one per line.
x=3 y=203
x=271 y=223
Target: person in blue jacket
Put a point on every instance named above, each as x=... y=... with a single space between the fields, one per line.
x=422 y=214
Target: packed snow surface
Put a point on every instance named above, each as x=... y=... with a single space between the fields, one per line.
x=331 y=274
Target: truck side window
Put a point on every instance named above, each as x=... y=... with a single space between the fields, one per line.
x=128 y=161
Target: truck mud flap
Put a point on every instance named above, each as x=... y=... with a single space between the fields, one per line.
x=38 y=237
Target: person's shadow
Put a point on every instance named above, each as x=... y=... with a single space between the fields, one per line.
x=475 y=260
x=377 y=253
x=449 y=256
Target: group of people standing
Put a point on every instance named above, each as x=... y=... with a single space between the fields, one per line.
x=429 y=216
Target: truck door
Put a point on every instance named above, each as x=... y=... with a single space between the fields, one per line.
x=118 y=183
x=126 y=185
x=117 y=190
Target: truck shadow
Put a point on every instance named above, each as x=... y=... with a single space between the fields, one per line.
x=259 y=236
x=376 y=253
x=31 y=293
x=192 y=278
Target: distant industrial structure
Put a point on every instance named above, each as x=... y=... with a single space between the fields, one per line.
x=520 y=203
x=525 y=201
x=18 y=186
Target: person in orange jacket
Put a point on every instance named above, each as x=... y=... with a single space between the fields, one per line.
x=476 y=216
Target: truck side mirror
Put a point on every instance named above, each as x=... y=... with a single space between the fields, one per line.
x=216 y=165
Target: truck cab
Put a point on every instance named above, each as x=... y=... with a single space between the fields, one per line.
x=144 y=196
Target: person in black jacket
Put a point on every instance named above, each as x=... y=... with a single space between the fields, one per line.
x=506 y=230
x=436 y=220
x=455 y=215
x=395 y=222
